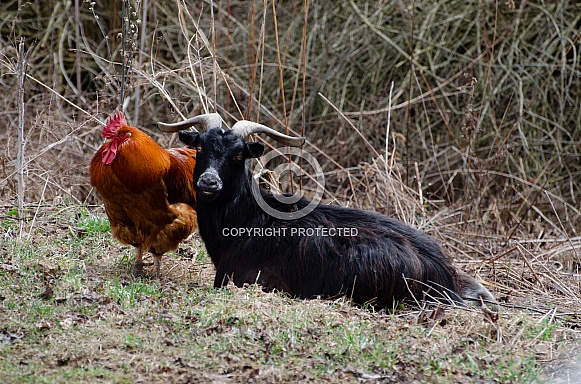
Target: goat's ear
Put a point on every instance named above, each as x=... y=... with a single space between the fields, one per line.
x=189 y=138
x=253 y=150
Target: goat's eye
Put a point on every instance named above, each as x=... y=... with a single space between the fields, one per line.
x=239 y=157
x=199 y=148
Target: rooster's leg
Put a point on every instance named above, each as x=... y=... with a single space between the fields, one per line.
x=157 y=264
x=137 y=269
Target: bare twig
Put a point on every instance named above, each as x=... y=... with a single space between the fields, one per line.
x=124 y=22
x=78 y=51
x=144 y=11
x=21 y=72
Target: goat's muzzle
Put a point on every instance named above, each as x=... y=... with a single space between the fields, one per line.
x=209 y=185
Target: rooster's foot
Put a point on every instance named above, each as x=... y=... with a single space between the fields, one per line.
x=137 y=270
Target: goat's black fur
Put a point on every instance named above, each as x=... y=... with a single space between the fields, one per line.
x=385 y=263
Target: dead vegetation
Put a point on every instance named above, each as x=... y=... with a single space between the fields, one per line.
x=72 y=311
x=481 y=152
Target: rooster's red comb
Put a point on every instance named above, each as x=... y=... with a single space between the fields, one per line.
x=114 y=122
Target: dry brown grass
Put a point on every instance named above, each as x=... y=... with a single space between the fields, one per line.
x=485 y=102
x=71 y=311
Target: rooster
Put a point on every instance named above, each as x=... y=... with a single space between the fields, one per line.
x=148 y=191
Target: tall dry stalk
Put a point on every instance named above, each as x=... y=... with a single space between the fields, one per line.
x=410 y=88
x=77 y=49
x=144 y=9
x=124 y=21
x=21 y=73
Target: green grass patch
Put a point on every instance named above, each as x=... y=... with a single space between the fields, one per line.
x=93 y=223
x=97 y=324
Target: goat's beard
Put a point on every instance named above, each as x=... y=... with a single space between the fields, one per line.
x=207 y=196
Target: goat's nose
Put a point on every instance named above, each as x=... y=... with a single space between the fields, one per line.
x=209 y=182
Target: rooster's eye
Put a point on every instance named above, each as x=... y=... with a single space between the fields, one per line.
x=199 y=149
x=239 y=157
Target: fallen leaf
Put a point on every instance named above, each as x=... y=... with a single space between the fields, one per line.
x=49 y=271
x=44 y=325
x=8 y=267
x=47 y=294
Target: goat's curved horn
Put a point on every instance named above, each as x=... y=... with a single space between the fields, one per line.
x=210 y=120
x=245 y=128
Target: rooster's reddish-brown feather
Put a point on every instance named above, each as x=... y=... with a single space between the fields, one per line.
x=148 y=191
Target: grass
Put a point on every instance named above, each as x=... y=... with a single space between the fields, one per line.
x=482 y=154
x=71 y=312
x=93 y=223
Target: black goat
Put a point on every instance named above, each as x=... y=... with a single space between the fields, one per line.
x=378 y=260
